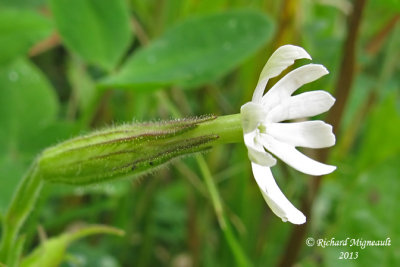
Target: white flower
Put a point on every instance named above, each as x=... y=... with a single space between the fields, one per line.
x=266 y=135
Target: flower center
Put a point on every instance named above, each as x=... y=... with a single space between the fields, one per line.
x=262 y=128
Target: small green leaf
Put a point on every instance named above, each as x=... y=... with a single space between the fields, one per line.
x=52 y=251
x=97 y=30
x=196 y=51
x=19 y=30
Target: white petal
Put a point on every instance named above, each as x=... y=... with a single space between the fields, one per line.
x=312 y=134
x=256 y=151
x=286 y=86
x=274 y=197
x=282 y=58
x=300 y=106
x=294 y=158
x=251 y=115
x=261 y=157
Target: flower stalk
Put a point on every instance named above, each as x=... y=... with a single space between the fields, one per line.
x=21 y=206
x=240 y=257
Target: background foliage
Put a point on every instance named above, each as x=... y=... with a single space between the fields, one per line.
x=69 y=66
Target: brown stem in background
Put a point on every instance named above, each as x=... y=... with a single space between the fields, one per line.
x=287 y=17
x=101 y=112
x=50 y=42
x=343 y=87
x=346 y=74
x=45 y=45
x=140 y=32
x=377 y=41
x=375 y=46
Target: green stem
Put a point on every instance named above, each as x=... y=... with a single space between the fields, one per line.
x=228 y=128
x=13 y=260
x=91 y=230
x=21 y=206
x=238 y=253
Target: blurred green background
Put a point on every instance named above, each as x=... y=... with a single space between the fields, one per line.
x=70 y=66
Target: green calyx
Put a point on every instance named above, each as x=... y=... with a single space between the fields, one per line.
x=135 y=149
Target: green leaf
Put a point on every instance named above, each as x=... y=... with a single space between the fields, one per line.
x=391 y=5
x=19 y=30
x=97 y=30
x=27 y=102
x=196 y=51
x=22 y=4
x=52 y=251
x=28 y=106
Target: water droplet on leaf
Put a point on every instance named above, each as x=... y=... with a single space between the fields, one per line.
x=232 y=23
x=13 y=76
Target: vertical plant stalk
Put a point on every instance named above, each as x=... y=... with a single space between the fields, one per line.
x=240 y=257
x=13 y=260
x=21 y=206
x=335 y=116
x=287 y=23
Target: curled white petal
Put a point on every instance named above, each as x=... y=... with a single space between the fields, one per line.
x=312 y=134
x=291 y=156
x=286 y=86
x=282 y=58
x=256 y=151
x=274 y=197
x=300 y=106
